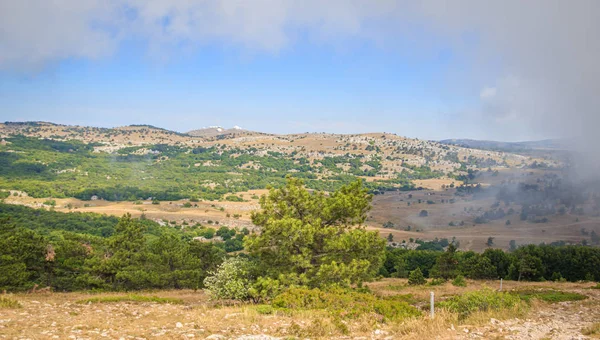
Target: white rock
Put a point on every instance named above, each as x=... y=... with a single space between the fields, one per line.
x=179 y=325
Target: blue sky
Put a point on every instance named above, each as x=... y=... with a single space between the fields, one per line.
x=303 y=88
x=285 y=67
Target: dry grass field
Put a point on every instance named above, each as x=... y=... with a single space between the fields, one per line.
x=190 y=314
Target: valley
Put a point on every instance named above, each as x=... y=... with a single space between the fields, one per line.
x=214 y=177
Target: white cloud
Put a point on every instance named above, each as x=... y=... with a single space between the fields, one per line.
x=550 y=48
x=487 y=93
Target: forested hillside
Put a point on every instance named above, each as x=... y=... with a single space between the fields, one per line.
x=142 y=162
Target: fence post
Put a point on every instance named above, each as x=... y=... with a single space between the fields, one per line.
x=500 y=284
x=432 y=303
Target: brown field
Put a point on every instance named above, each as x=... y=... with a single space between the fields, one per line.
x=60 y=315
x=393 y=207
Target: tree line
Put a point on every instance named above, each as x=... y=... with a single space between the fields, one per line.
x=306 y=239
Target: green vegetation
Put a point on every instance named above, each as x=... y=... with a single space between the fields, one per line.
x=549 y=295
x=131 y=299
x=313 y=239
x=415 y=278
x=480 y=301
x=459 y=281
x=49 y=168
x=130 y=258
x=528 y=263
x=345 y=303
x=6 y=302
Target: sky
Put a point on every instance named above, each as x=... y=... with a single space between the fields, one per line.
x=503 y=70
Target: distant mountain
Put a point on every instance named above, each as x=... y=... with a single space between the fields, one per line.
x=546 y=144
x=219 y=131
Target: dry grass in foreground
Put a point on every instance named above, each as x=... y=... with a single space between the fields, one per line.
x=188 y=314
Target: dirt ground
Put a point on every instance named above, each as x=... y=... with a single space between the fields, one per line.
x=61 y=316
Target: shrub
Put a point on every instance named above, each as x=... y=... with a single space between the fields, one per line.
x=8 y=303
x=436 y=282
x=459 y=281
x=265 y=288
x=345 y=303
x=482 y=300
x=415 y=278
x=232 y=280
x=264 y=309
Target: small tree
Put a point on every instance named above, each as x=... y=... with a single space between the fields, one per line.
x=390 y=238
x=423 y=213
x=490 y=241
x=459 y=281
x=232 y=280
x=316 y=239
x=446 y=264
x=416 y=278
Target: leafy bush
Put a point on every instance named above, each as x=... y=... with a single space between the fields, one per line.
x=232 y=280
x=345 y=303
x=459 y=281
x=482 y=300
x=233 y=198
x=436 y=282
x=264 y=309
x=415 y=278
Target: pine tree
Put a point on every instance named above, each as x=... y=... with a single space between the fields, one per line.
x=415 y=278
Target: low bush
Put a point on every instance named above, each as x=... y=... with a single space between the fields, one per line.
x=480 y=301
x=459 y=281
x=232 y=280
x=345 y=303
x=6 y=302
x=548 y=295
x=264 y=309
x=436 y=282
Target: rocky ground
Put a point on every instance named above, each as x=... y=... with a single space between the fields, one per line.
x=65 y=316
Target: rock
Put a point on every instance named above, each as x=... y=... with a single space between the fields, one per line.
x=215 y=336
x=257 y=337
x=179 y=325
